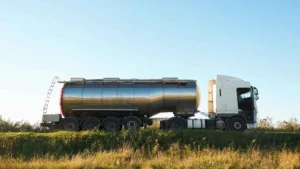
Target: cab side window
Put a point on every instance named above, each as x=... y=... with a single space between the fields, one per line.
x=245 y=100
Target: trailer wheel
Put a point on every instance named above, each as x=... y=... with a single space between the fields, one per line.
x=70 y=124
x=91 y=123
x=237 y=124
x=132 y=123
x=111 y=124
x=175 y=123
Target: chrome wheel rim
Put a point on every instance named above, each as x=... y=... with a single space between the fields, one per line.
x=111 y=126
x=70 y=126
x=237 y=125
x=132 y=124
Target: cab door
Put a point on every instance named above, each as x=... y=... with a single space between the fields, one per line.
x=228 y=100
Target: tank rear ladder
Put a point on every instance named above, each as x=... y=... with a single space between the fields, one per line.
x=55 y=79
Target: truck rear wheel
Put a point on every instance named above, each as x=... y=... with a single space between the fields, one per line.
x=70 y=124
x=237 y=124
x=176 y=123
x=111 y=124
x=91 y=123
x=132 y=123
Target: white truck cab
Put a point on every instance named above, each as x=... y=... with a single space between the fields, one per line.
x=232 y=99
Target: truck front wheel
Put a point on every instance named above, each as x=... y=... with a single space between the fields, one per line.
x=237 y=124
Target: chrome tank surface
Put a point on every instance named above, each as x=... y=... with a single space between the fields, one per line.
x=129 y=97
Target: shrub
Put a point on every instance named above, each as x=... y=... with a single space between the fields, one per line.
x=291 y=125
x=20 y=126
x=266 y=123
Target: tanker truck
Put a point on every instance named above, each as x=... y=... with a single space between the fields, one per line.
x=111 y=104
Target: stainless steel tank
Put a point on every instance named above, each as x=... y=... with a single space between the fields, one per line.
x=122 y=97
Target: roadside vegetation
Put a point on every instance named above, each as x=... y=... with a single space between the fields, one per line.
x=267 y=124
x=20 y=126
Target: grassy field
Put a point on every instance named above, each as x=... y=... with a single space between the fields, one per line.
x=151 y=148
x=26 y=146
x=174 y=157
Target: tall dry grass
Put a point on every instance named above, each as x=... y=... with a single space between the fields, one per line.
x=174 y=157
x=26 y=145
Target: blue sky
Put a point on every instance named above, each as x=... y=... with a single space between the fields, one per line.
x=257 y=41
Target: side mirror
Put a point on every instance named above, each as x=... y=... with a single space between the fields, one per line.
x=256 y=97
x=255 y=91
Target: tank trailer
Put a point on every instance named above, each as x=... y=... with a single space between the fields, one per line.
x=113 y=103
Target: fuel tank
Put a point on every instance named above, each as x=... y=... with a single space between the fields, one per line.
x=123 y=97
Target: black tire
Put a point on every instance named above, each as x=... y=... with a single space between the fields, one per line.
x=111 y=124
x=70 y=124
x=132 y=123
x=121 y=126
x=90 y=123
x=175 y=123
x=237 y=124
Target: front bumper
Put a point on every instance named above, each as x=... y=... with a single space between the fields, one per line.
x=252 y=125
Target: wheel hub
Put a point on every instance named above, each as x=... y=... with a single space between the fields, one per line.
x=70 y=126
x=237 y=125
x=90 y=126
x=112 y=126
x=132 y=124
